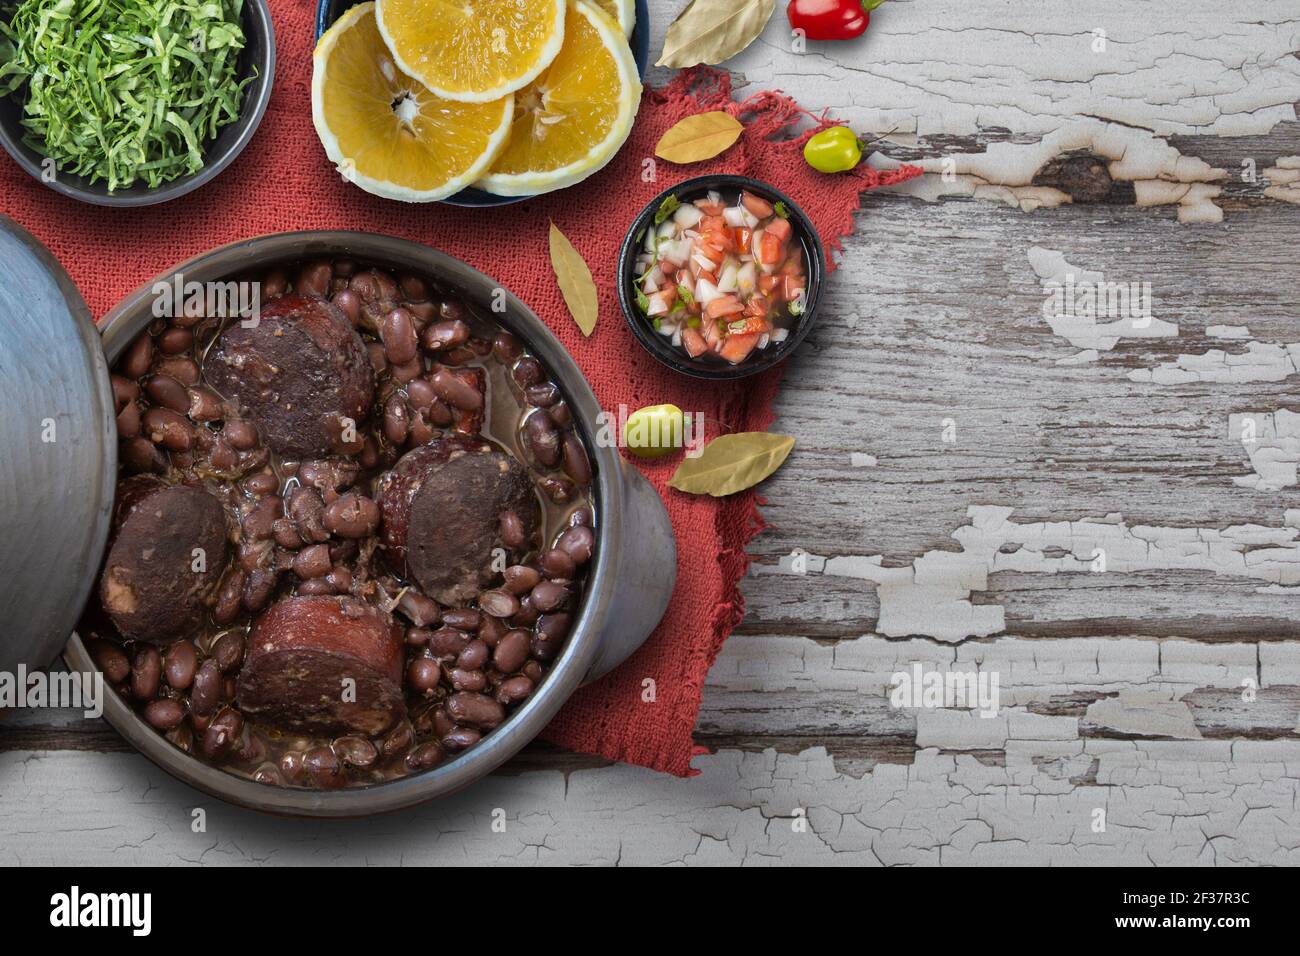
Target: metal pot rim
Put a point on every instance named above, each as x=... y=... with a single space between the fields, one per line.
x=133 y=314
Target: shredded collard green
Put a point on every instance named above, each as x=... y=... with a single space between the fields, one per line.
x=120 y=90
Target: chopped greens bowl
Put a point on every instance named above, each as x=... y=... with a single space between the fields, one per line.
x=132 y=102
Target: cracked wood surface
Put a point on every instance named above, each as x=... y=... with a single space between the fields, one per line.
x=963 y=455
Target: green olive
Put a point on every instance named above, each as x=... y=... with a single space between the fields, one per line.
x=654 y=431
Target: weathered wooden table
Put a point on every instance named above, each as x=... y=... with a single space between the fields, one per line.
x=1099 y=510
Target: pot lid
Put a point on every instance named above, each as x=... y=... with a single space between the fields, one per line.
x=58 y=452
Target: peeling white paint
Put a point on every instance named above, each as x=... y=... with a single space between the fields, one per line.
x=1004 y=172
x=1227 y=332
x=1261 y=362
x=922 y=68
x=1284 y=180
x=1167 y=802
x=1146 y=713
x=1272 y=443
x=1077 y=321
x=931 y=597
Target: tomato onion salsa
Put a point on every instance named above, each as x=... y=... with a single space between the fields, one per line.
x=721 y=279
x=349 y=537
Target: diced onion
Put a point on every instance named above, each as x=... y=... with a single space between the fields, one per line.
x=751 y=221
x=688 y=216
x=780 y=335
x=735 y=216
x=763 y=340
x=676 y=252
x=705 y=292
x=727 y=281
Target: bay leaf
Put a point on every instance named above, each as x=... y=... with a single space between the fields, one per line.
x=710 y=31
x=732 y=463
x=698 y=137
x=574 y=277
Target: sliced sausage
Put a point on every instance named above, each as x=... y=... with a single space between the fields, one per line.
x=168 y=553
x=298 y=373
x=323 y=665
x=441 y=506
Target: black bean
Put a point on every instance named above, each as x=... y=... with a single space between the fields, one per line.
x=578 y=541
x=241 y=435
x=438 y=336
x=560 y=414
x=205 y=406
x=312 y=562
x=228 y=651
x=398 y=334
x=543 y=396
x=549 y=596
x=463 y=680
x=528 y=371
x=230 y=596
x=455 y=391
x=425 y=756
x=398 y=740
x=308 y=513
x=447 y=642
x=258 y=589
x=462 y=618
x=520 y=578
x=397 y=420
x=557 y=564
x=461 y=738
x=511 y=651
x=423 y=674
x=349 y=303
x=420 y=394
x=323 y=765
x=356 y=751
x=543 y=439
x=174 y=341
x=180 y=663
x=222 y=735
x=180 y=367
x=506 y=347
x=576 y=464
x=498 y=603
x=352 y=516
x=170 y=429
x=142 y=456
x=474 y=656
x=111 y=659
x=146 y=672
x=164 y=713
x=478 y=710
x=418 y=609
x=514 y=689
x=138 y=358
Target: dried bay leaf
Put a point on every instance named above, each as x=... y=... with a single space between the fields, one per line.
x=574 y=277
x=698 y=137
x=710 y=31
x=732 y=463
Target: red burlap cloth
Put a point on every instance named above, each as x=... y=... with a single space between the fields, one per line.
x=284 y=182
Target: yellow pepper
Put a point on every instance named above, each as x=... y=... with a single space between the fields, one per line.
x=833 y=150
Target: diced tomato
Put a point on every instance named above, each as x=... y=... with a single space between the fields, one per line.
x=780 y=228
x=736 y=348
x=705 y=274
x=770 y=249
x=711 y=224
x=712 y=330
x=743 y=236
x=694 y=308
x=710 y=208
x=662 y=301
x=748 y=324
x=757 y=307
x=769 y=284
x=693 y=342
x=792 y=287
x=755 y=204
x=794 y=264
x=723 y=305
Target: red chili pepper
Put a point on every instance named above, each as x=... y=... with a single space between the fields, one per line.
x=831 y=19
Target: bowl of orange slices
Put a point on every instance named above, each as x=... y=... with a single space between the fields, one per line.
x=477 y=103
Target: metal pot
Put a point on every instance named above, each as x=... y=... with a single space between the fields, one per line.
x=629 y=584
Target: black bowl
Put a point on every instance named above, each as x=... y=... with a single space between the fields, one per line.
x=662 y=348
x=258 y=53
